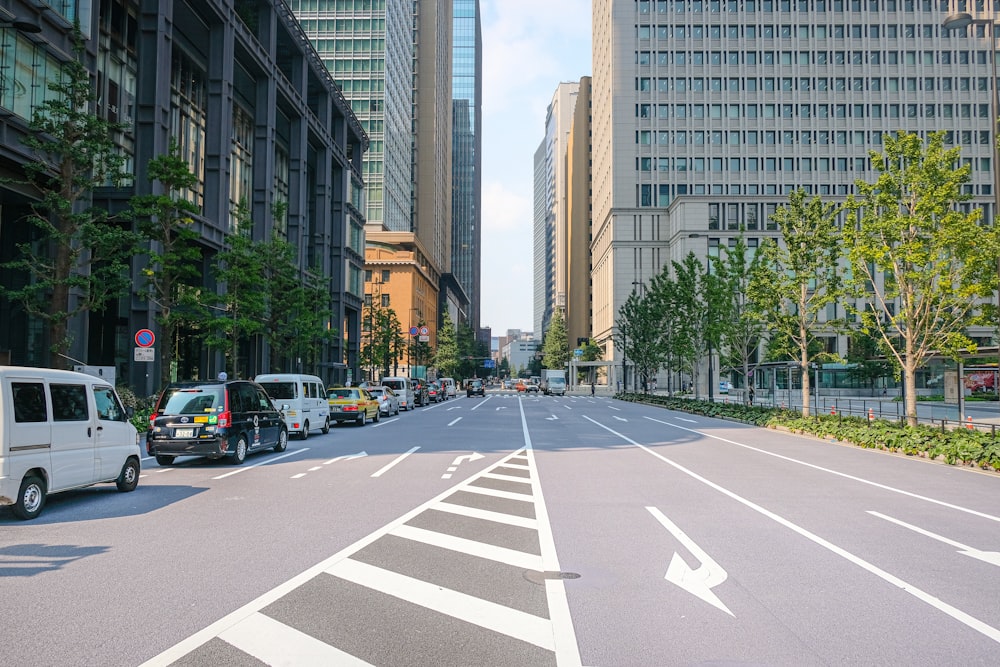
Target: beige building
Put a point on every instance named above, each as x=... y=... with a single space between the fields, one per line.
x=578 y=293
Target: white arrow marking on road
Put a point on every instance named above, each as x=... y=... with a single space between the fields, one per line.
x=346 y=457
x=474 y=456
x=991 y=557
x=621 y=419
x=501 y=407
x=552 y=418
x=698 y=582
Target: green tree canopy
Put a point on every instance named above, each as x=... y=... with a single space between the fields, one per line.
x=446 y=356
x=555 y=350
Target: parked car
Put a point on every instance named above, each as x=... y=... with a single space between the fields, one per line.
x=725 y=386
x=434 y=393
x=301 y=398
x=388 y=403
x=61 y=430
x=403 y=389
x=474 y=387
x=214 y=418
x=420 y=394
x=448 y=384
x=352 y=404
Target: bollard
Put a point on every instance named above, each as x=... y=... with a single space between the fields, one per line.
x=833 y=410
x=871 y=415
x=968 y=423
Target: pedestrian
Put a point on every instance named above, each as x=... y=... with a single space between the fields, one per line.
x=619 y=386
x=591 y=387
x=751 y=395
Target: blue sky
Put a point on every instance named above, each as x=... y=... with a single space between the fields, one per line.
x=529 y=46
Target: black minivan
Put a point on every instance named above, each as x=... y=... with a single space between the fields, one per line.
x=214 y=419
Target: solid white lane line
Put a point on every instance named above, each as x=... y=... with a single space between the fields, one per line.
x=505 y=478
x=489 y=515
x=275 y=643
x=470 y=547
x=967 y=510
x=489 y=615
x=563 y=635
x=301 y=474
x=379 y=472
x=270 y=459
x=483 y=491
x=454 y=421
x=957 y=614
x=482 y=402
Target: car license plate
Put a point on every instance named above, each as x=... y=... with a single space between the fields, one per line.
x=184 y=433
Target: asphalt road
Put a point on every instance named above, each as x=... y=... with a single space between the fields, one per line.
x=514 y=530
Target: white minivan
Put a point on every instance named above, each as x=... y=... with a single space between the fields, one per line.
x=403 y=389
x=448 y=384
x=61 y=430
x=302 y=398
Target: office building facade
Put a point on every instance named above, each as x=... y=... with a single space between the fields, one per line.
x=707 y=114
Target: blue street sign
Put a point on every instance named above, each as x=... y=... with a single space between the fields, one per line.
x=489 y=363
x=578 y=352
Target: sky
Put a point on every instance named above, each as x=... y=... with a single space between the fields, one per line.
x=529 y=47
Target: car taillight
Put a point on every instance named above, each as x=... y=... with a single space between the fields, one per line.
x=224 y=419
x=350 y=408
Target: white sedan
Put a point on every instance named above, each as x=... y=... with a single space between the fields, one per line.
x=388 y=402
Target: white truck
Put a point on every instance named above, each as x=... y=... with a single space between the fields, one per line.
x=553 y=382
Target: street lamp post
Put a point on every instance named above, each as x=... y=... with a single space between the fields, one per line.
x=960 y=21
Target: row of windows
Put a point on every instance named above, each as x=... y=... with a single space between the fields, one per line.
x=837 y=84
x=370 y=6
x=800 y=6
x=790 y=137
x=661 y=195
x=802 y=32
x=770 y=164
x=738 y=111
x=809 y=58
x=314 y=26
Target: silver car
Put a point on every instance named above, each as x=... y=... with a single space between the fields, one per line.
x=388 y=402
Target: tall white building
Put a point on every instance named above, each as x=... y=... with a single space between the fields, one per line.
x=551 y=207
x=707 y=114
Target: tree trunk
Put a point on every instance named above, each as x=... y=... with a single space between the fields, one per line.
x=804 y=365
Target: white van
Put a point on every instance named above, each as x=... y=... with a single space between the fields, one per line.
x=403 y=389
x=448 y=384
x=61 y=430
x=302 y=398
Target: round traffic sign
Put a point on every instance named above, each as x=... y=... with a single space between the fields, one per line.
x=414 y=331
x=144 y=338
x=424 y=331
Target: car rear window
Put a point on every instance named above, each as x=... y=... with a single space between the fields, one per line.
x=197 y=401
x=281 y=390
x=343 y=393
x=394 y=384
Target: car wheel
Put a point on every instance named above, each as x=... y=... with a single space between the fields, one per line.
x=378 y=415
x=326 y=426
x=305 y=430
x=397 y=409
x=362 y=418
x=240 y=453
x=164 y=460
x=30 y=498
x=128 y=479
x=282 y=441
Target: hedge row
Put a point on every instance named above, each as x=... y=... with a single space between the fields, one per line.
x=955 y=447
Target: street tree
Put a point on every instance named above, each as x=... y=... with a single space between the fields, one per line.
x=741 y=322
x=640 y=336
x=590 y=351
x=76 y=248
x=239 y=313
x=446 y=356
x=555 y=349
x=920 y=265
x=164 y=220
x=867 y=360
x=798 y=277
x=688 y=341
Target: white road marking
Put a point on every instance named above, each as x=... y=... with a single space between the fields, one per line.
x=910 y=494
x=270 y=459
x=346 y=457
x=991 y=557
x=385 y=422
x=489 y=615
x=454 y=421
x=315 y=468
x=957 y=614
x=483 y=491
x=275 y=643
x=690 y=421
x=506 y=478
x=567 y=407
x=552 y=418
x=621 y=419
x=470 y=547
x=515 y=466
x=379 y=472
x=489 y=515
x=301 y=474
x=474 y=456
x=614 y=408
x=698 y=582
x=482 y=402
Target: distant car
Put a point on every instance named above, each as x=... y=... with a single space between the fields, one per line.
x=434 y=393
x=402 y=388
x=420 y=394
x=520 y=386
x=725 y=386
x=388 y=402
x=215 y=419
x=448 y=384
x=352 y=404
x=530 y=386
x=474 y=387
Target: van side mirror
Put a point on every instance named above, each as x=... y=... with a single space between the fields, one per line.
x=130 y=412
